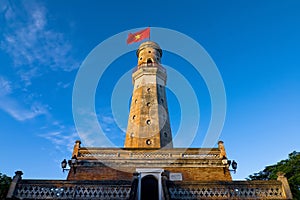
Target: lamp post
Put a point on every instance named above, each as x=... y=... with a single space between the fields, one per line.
x=234 y=166
x=64 y=165
x=227 y=163
x=72 y=164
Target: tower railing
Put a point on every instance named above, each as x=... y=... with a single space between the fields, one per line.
x=106 y=153
x=145 y=65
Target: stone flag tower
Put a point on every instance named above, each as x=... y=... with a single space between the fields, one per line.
x=148 y=121
x=148 y=167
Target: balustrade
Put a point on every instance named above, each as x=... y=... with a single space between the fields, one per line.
x=68 y=190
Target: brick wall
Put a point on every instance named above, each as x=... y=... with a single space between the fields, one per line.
x=98 y=173
x=125 y=173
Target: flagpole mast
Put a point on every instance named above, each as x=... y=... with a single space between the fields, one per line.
x=149 y=32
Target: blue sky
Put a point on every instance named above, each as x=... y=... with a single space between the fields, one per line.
x=255 y=45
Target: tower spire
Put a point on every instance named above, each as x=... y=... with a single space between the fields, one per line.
x=148 y=121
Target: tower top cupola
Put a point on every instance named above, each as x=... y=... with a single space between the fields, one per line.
x=149 y=52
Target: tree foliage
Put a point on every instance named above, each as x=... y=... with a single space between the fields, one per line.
x=4 y=185
x=291 y=168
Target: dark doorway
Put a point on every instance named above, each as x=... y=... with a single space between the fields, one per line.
x=149 y=190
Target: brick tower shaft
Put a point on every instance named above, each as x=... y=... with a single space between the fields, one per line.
x=148 y=121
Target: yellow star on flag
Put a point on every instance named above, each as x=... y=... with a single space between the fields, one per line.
x=137 y=36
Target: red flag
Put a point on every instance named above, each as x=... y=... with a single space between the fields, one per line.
x=138 y=36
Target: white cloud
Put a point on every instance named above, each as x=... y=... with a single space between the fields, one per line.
x=63 y=85
x=5 y=87
x=27 y=75
x=95 y=133
x=111 y=128
x=19 y=111
x=16 y=109
x=30 y=42
x=88 y=130
x=107 y=119
x=62 y=138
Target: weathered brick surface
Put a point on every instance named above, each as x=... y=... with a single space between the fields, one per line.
x=188 y=173
x=148 y=104
x=201 y=174
x=148 y=121
x=98 y=173
x=195 y=164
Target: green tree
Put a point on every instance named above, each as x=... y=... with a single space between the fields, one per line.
x=291 y=168
x=4 y=185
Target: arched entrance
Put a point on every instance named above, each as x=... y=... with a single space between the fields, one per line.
x=149 y=188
